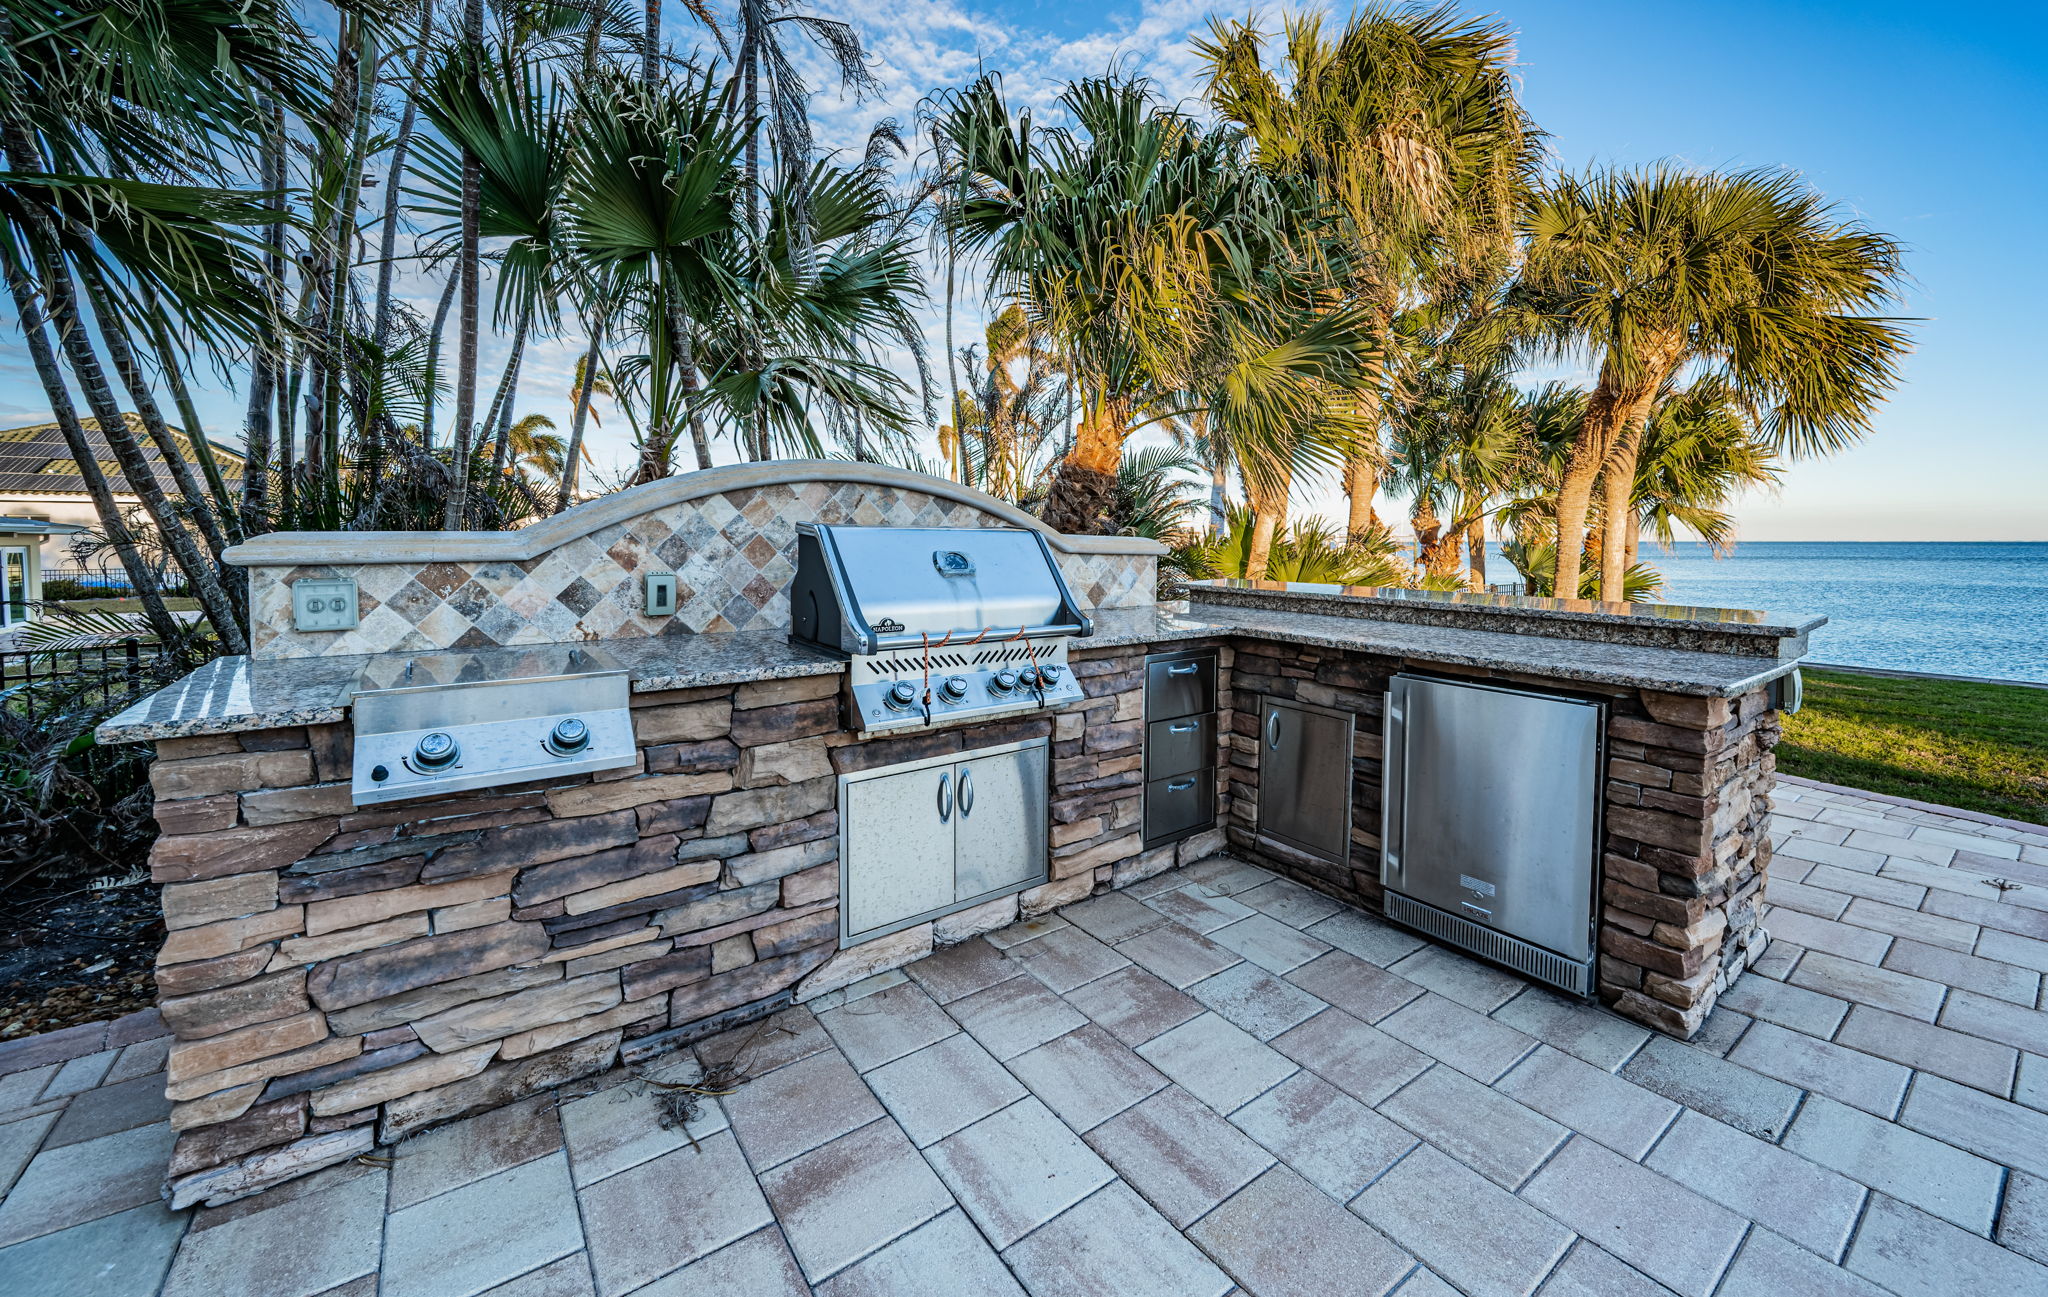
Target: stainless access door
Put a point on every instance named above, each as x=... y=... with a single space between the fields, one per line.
x=1305 y=777
x=1000 y=834
x=897 y=846
x=1492 y=811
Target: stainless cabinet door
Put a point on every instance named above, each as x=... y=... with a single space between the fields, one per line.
x=1305 y=778
x=1000 y=841
x=899 y=846
x=1498 y=808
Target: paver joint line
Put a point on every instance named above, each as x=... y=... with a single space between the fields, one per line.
x=1928 y=1176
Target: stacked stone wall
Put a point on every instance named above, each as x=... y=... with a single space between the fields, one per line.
x=339 y=977
x=1686 y=849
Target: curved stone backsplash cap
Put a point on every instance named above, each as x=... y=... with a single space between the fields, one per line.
x=729 y=535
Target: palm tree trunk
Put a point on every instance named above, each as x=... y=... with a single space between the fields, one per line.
x=266 y=352
x=454 y=516
x=114 y=337
x=1084 y=489
x=168 y=360
x=363 y=92
x=686 y=368
x=1635 y=543
x=952 y=362
x=498 y=420
x=1362 y=467
x=1574 y=498
x=135 y=466
x=140 y=576
x=1475 y=552
x=387 y=242
x=1618 y=513
x=1269 y=517
x=574 y=454
x=650 y=44
x=433 y=374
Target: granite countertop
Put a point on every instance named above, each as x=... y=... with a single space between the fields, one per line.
x=1650 y=624
x=1678 y=671
x=234 y=694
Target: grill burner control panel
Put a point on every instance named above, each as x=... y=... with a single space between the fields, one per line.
x=894 y=691
x=424 y=739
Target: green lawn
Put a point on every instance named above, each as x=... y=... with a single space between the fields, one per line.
x=1982 y=747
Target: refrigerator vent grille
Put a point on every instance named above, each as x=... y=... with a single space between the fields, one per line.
x=1565 y=974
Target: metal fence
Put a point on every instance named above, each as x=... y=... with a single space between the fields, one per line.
x=72 y=676
x=64 y=582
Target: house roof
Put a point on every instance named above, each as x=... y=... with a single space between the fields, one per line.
x=12 y=526
x=36 y=461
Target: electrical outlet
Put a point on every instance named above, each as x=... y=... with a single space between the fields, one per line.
x=661 y=594
x=324 y=603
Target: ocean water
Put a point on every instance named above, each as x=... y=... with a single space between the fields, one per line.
x=1974 y=609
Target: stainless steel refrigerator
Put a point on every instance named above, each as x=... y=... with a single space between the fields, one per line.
x=1490 y=822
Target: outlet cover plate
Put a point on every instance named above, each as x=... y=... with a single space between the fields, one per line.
x=661 y=594
x=324 y=603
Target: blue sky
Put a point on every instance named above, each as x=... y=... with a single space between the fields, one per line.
x=1927 y=121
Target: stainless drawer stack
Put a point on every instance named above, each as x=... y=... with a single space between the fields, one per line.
x=1180 y=745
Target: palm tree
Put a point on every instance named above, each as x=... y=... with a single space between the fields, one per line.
x=1752 y=275
x=1311 y=550
x=1172 y=275
x=1458 y=442
x=1700 y=447
x=648 y=205
x=1406 y=126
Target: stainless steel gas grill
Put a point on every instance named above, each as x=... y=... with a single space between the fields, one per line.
x=446 y=722
x=941 y=624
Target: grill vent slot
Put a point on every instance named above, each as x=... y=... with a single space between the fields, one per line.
x=914 y=662
x=1519 y=955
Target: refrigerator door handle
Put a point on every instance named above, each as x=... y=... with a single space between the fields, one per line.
x=1393 y=772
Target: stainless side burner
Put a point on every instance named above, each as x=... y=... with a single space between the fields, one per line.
x=446 y=722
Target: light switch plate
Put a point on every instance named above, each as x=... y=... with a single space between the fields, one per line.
x=324 y=603
x=661 y=594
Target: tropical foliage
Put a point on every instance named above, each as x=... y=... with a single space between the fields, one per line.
x=1339 y=265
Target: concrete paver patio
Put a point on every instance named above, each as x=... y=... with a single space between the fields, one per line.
x=1215 y=1082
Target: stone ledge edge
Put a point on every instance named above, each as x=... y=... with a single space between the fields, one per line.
x=329 y=548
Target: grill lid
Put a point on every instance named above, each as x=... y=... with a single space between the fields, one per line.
x=869 y=589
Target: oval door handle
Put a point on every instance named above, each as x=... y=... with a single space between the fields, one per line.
x=1172 y=787
x=945 y=798
x=1188 y=728
x=1186 y=669
x=1273 y=730
x=966 y=793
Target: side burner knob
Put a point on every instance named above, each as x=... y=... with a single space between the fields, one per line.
x=1028 y=677
x=1003 y=681
x=569 y=737
x=1049 y=674
x=953 y=688
x=901 y=694
x=435 y=751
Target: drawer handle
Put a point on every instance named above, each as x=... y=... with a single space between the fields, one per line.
x=1185 y=669
x=1188 y=728
x=1181 y=787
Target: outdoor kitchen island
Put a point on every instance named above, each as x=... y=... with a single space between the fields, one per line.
x=343 y=971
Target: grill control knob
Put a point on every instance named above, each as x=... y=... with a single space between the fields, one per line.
x=1003 y=681
x=1049 y=674
x=569 y=737
x=436 y=751
x=953 y=688
x=901 y=695
x=1028 y=677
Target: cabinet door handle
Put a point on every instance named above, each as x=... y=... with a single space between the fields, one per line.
x=945 y=797
x=1188 y=728
x=966 y=793
x=1184 y=669
x=1180 y=787
x=1273 y=728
